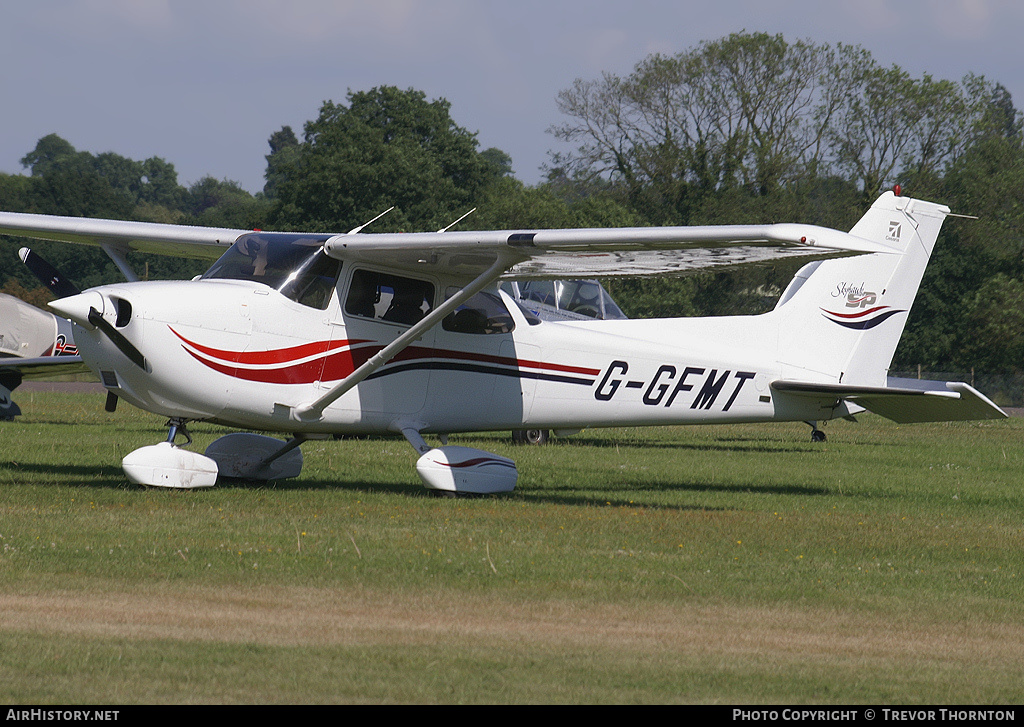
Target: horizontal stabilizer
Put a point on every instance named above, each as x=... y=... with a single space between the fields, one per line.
x=904 y=401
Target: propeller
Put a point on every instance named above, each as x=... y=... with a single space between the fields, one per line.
x=117 y=338
x=52 y=278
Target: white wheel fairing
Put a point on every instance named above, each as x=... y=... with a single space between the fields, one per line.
x=465 y=469
x=164 y=465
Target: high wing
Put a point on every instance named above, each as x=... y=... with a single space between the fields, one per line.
x=600 y=253
x=636 y=251
x=207 y=243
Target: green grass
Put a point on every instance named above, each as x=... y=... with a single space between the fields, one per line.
x=729 y=564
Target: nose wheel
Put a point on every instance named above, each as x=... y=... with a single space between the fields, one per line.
x=169 y=465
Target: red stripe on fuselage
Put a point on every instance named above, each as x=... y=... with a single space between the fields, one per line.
x=274 y=356
x=338 y=365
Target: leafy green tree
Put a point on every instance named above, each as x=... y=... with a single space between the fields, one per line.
x=509 y=204
x=499 y=162
x=15 y=190
x=223 y=203
x=153 y=182
x=987 y=182
x=385 y=148
x=122 y=174
x=159 y=184
x=893 y=126
x=64 y=181
x=284 y=150
x=995 y=318
x=50 y=150
x=749 y=110
x=759 y=113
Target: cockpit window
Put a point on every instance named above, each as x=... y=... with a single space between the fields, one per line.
x=293 y=265
x=483 y=313
x=387 y=297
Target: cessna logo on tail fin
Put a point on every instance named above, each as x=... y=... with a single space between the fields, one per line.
x=895 y=228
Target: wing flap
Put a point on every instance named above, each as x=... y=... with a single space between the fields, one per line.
x=658 y=263
x=903 y=402
x=605 y=252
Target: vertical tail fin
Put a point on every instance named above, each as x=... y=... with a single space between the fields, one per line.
x=840 y=320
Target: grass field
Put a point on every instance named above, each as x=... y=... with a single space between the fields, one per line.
x=728 y=564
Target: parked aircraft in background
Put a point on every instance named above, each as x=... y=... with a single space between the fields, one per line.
x=315 y=335
x=33 y=344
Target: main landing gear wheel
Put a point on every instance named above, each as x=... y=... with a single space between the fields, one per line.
x=530 y=436
x=816 y=434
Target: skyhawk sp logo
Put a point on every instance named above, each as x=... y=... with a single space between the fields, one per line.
x=857 y=296
x=867 y=315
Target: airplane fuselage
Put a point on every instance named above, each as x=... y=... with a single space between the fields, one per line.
x=242 y=354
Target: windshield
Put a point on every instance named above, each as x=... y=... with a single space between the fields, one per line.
x=293 y=265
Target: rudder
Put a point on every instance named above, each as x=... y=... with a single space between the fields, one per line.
x=840 y=320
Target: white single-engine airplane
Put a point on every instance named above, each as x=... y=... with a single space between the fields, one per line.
x=316 y=335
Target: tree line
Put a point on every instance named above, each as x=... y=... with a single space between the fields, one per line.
x=750 y=128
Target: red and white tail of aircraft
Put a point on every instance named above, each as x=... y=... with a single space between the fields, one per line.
x=316 y=335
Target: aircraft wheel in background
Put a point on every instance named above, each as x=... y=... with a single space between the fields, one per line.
x=530 y=436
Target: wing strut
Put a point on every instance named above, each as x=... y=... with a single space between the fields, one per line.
x=117 y=254
x=314 y=410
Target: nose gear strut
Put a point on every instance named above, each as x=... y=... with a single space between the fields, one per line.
x=177 y=426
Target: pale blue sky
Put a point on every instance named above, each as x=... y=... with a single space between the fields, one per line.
x=203 y=83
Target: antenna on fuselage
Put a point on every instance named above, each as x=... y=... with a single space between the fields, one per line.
x=445 y=229
x=354 y=230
